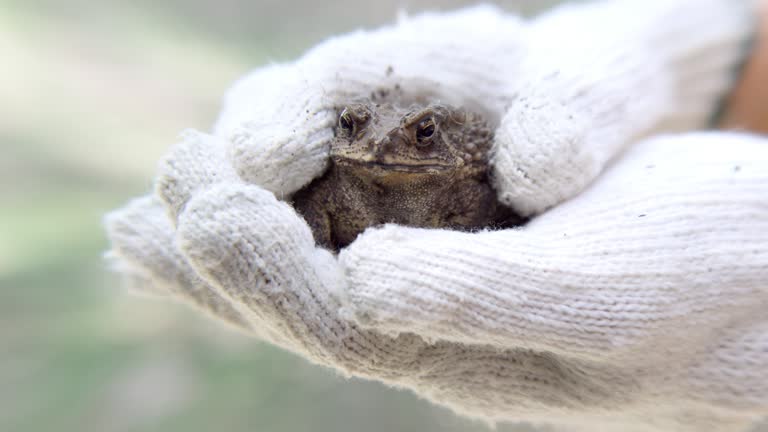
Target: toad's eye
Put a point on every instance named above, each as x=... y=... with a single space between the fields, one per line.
x=346 y=122
x=424 y=131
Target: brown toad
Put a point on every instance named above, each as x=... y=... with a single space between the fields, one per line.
x=420 y=166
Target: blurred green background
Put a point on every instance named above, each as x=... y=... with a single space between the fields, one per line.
x=91 y=96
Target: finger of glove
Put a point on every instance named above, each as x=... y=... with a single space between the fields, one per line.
x=280 y=126
x=196 y=163
x=259 y=252
x=569 y=121
x=651 y=246
x=576 y=109
x=142 y=248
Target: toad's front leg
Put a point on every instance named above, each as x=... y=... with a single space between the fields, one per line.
x=310 y=203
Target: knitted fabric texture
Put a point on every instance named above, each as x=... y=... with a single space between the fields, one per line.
x=636 y=302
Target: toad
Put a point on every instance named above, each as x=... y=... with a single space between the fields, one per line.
x=420 y=166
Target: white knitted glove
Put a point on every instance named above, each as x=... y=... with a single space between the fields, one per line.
x=569 y=89
x=603 y=310
x=640 y=303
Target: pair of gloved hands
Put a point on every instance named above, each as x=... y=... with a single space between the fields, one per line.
x=637 y=292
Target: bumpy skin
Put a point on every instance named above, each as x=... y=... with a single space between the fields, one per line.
x=421 y=166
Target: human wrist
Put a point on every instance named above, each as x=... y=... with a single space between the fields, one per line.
x=747 y=105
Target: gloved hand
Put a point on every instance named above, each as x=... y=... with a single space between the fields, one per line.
x=639 y=301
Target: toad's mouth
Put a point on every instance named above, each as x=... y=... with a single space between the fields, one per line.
x=375 y=165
